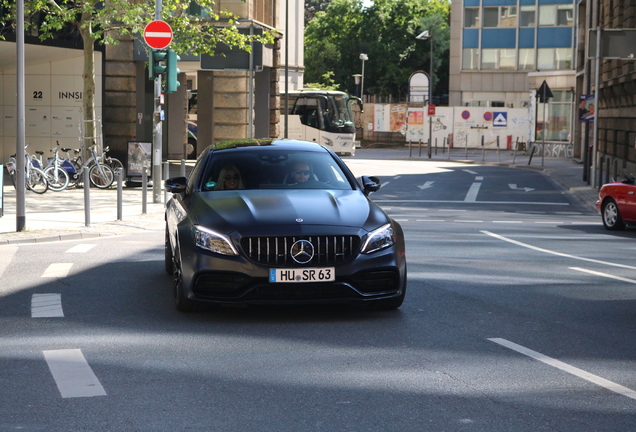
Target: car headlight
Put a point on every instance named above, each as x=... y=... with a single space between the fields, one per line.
x=208 y=239
x=378 y=239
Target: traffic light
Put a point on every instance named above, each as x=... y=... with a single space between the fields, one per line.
x=172 y=76
x=156 y=66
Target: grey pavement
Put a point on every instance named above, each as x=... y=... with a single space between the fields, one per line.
x=62 y=216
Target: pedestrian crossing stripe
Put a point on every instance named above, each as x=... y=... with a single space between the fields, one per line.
x=500 y=119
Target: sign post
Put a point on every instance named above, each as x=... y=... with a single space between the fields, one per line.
x=158 y=35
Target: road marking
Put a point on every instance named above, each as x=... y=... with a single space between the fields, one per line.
x=431 y=220
x=595 y=379
x=479 y=178
x=468 y=221
x=470 y=172
x=46 y=306
x=513 y=186
x=81 y=248
x=57 y=270
x=72 y=374
x=622 y=279
x=471 y=196
x=538 y=249
x=426 y=185
x=514 y=221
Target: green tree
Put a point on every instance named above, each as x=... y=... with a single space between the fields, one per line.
x=386 y=32
x=193 y=23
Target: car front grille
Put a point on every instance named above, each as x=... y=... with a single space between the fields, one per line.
x=328 y=250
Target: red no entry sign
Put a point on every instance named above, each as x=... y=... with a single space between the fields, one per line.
x=158 y=34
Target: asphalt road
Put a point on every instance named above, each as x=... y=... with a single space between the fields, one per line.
x=519 y=316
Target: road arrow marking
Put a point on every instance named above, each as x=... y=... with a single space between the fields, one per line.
x=426 y=185
x=513 y=186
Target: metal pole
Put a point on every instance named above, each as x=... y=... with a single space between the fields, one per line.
x=483 y=149
x=286 y=69
x=430 y=134
x=120 y=194
x=87 y=198
x=498 y=159
x=544 y=129
x=362 y=82
x=157 y=141
x=420 y=155
x=166 y=175
x=144 y=189
x=250 y=92
x=182 y=171
x=597 y=92
x=20 y=222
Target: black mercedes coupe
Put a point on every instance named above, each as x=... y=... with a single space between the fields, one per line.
x=282 y=221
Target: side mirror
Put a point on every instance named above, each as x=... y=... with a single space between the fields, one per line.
x=370 y=184
x=176 y=184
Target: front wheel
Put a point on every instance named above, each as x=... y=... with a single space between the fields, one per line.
x=36 y=181
x=57 y=177
x=101 y=176
x=612 y=216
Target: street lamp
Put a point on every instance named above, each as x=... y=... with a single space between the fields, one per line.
x=363 y=57
x=357 y=80
x=426 y=35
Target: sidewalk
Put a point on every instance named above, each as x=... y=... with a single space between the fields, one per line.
x=61 y=216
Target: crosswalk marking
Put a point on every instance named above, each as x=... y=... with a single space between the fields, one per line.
x=81 y=248
x=57 y=270
x=72 y=374
x=46 y=306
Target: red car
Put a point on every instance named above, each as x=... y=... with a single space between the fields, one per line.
x=617 y=204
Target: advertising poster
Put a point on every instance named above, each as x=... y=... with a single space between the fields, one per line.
x=586 y=109
x=139 y=155
x=398 y=119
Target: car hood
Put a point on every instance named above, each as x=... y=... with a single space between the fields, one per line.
x=289 y=212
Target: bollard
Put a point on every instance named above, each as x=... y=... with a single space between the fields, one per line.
x=87 y=198
x=410 y=150
x=183 y=168
x=420 y=155
x=514 y=152
x=498 y=159
x=436 y=146
x=483 y=149
x=120 y=193
x=466 y=147
x=144 y=190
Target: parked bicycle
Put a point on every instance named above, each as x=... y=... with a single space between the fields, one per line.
x=59 y=171
x=112 y=162
x=100 y=174
x=35 y=179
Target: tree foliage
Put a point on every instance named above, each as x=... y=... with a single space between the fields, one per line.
x=385 y=31
x=196 y=24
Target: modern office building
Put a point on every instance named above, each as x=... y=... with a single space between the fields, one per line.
x=503 y=50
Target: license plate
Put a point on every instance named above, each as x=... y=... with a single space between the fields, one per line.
x=295 y=275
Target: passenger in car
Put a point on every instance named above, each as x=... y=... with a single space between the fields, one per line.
x=229 y=179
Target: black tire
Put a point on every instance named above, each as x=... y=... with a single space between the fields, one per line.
x=169 y=257
x=181 y=302
x=36 y=182
x=116 y=164
x=101 y=180
x=57 y=184
x=612 y=216
x=191 y=148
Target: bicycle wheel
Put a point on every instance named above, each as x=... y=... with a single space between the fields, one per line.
x=103 y=179
x=116 y=164
x=58 y=178
x=36 y=181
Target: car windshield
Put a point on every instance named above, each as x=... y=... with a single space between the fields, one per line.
x=269 y=168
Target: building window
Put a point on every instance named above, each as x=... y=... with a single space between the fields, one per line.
x=508 y=16
x=500 y=16
x=545 y=59
x=547 y=15
x=471 y=17
x=527 y=16
x=507 y=59
x=491 y=17
x=526 y=58
x=563 y=57
x=564 y=15
x=470 y=58
x=489 y=59
x=558 y=122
